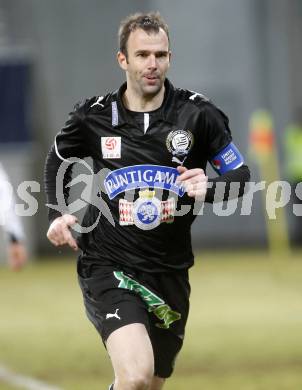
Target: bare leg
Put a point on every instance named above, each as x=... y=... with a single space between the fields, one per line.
x=132 y=358
x=157 y=383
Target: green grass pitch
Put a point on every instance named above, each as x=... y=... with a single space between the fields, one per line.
x=244 y=330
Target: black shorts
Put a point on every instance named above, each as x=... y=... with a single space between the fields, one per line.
x=115 y=297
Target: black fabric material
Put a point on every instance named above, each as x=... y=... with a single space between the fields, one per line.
x=52 y=165
x=240 y=175
x=144 y=298
x=203 y=129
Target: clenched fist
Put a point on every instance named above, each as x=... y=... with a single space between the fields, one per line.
x=194 y=181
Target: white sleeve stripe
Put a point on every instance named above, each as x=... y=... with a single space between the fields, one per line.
x=57 y=152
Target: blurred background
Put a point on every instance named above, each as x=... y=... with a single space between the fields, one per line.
x=246 y=55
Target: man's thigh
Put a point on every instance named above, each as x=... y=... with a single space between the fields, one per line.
x=130 y=351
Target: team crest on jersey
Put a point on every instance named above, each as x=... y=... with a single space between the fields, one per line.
x=179 y=143
x=147 y=212
x=111 y=147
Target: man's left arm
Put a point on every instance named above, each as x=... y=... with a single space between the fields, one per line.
x=231 y=169
x=224 y=157
x=196 y=183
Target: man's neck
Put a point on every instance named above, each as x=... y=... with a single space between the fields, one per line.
x=142 y=104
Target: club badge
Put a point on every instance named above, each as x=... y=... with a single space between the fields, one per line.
x=179 y=143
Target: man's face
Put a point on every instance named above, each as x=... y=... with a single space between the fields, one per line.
x=147 y=62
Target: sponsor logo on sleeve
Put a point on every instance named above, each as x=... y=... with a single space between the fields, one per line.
x=227 y=159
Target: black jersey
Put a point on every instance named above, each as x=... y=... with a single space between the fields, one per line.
x=151 y=213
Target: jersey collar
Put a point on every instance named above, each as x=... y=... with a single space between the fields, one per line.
x=167 y=111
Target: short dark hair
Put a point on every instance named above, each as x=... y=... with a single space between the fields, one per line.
x=149 y=22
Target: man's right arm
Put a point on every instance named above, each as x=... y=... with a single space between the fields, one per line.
x=68 y=143
x=60 y=222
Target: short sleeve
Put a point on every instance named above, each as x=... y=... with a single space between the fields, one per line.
x=70 y=141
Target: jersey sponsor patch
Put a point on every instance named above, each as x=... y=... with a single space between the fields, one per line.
x=142 y=176
x=111 y=147
x=179 y=143
x=227 y=159
x=147 y=212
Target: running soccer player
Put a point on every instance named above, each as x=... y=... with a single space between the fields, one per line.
x=17 y=254
x=150 y=143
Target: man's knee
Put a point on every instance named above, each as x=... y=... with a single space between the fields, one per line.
x=135 y=380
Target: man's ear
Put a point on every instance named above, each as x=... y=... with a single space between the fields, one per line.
x=122 y=60
x=170 y=55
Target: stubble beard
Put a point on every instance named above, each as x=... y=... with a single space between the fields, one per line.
x=150 y=91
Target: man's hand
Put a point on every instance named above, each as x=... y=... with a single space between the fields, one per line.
x=17 y=255
x=59 y=232
x=194 y=181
